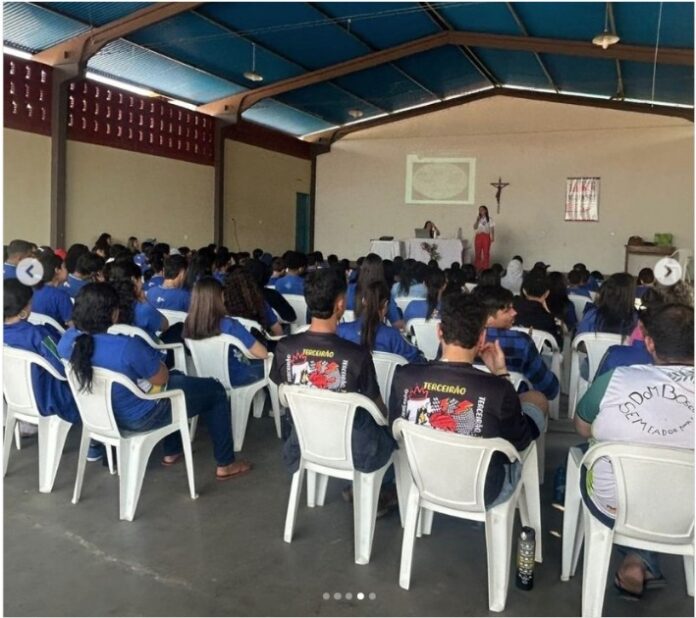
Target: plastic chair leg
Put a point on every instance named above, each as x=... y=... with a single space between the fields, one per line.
x=322 y=484
x=258 y=403
x=499 y=522
x=402 y=475
x=598 y=544
x=409 y=537
x=53 y=432
x=426 y=521
x=572 y=525
x=275 y=406
x=18 y=437
x=293 y=504
x=133 y=462
x=365 y=496
x=530 y=504
x=81 y=464
x=311 y=488
x=188 y=460
x=240 y=406
x=541 y=455
x=11 y=428
x=110 y=459
x=193 y=426
x=689 y=573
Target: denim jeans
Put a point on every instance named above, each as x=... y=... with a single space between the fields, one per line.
x=204 y=397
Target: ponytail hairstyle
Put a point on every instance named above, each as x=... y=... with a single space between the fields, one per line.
x=93 y=313
x=371 y=270
x=122 y=277
x=434 y=282
x=375 y=297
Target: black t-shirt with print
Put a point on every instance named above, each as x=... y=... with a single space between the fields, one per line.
x=324 y=360
x=460 y=398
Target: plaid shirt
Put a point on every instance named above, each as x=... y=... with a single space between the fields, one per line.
x=522 y=356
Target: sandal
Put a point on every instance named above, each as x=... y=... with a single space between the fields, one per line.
x=245 y=468
x=175 y=459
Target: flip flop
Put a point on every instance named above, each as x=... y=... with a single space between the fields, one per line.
x=628 y=595
x=240 y=472
x=177 y=458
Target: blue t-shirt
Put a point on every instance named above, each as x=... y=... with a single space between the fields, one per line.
x=242 y=370
x=591 y=322
x=141 y=260
x=625 y=355
x=174 y=299
x=155 y=280
x=73 y=285
x=145 y=316
x=417 y=290
x=388 y=339
x=52 y=396
x=393 y=312
x=9 y=271
x=54 y=302
x=290 y=284
x=419 y=309
x=130 y=356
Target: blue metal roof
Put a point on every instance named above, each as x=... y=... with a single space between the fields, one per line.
x=201 y=55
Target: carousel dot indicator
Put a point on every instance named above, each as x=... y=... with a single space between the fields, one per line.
x=361 y=596
x=337 y=596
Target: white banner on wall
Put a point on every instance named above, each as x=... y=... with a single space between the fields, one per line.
x=582 y=199
x=440 y=180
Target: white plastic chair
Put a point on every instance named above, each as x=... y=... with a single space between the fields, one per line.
x=403 y=301
x=547 y=346
x=580 y=302
x=173 y=317
x=348 y=316
x=572 y=508
x=448 y=474
x=299 y=305
x=324 y=424
x=595 y=346
x=470 y=287
x=21 y=406
x=132 y=448
x=210 y=357
x=41 y=319
x=425 y=336
x=651 y=514
x=385 y=365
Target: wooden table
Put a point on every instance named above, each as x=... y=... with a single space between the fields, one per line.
x=646 y=250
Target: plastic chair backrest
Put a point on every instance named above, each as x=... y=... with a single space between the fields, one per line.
x=541 y=338
x=210 y=356
x=348 y=316
x=385 y=365
x=425 y=333
x=449 y=469
x=40 y=319
x=515 y=376
x=323 y=421
x=580 y=303
x=132 y=331
x=654 y=488
x=596 y=345
x=95 y=406
x=299 y=305
x=403 y=301
x=173 y=317
x=16 y=379
x=248 y=324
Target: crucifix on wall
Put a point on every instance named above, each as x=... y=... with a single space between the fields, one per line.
x=500 y=185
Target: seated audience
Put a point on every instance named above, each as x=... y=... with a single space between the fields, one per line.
x=451 y=395
x=244 y=299
x=430 y=306
x=614 y=309
x=456 y=280
x=17 y=250
x=171 y=294
x=89 y=269
x=88 y=345
x=277 y=270
x=370 y=330
x=560 y=306
x=646 y=279
x=260 y=272
x=577 y=284
x=489 y=277
x=292 y=282
x=520 y=352
x=371 y=270
x=154 y=276
x=512 y=280
x=531 y=307
x=50 y=297
x=610 y=411
x=411 y=281
x=201 y=265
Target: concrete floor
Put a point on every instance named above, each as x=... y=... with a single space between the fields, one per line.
x=224 y=554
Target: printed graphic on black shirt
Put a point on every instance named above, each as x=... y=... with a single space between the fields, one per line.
x=319 y=373
x=442 y=406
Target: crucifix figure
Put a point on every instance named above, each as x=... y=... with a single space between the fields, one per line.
x=500 y=185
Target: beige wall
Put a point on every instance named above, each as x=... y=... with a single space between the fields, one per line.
x=645 y=163
x=27 y=186
x=260 y=196
x=128 y=193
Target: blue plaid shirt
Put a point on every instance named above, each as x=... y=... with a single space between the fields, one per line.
x=522 y=356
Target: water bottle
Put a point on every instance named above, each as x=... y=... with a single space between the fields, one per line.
x=559 y=483
x=525 y=559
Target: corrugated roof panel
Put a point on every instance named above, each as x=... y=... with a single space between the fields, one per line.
x=327 y=102
x=578 y=21
x=283 y=118
x=583 y=75
x=515 y=68
x=445 y=70
x=636 y=23
x=479 y=17
x=383 y=24
x=292 y=29
x=33 y=28
x=134 y=64
x=95 y=13
x=672 y=83
x=196 y=41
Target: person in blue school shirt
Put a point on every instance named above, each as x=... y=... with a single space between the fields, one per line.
x=50 y=297
x=614 y=310
x=292 y=282
x=88 y=345
x=411 y=280
x=429 y=307
x=371 y=331
x=154 y=273
x=171 y=294
x=17 y=250
x=206 y=318
x=89 y=268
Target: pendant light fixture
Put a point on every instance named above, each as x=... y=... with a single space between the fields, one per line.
x=606 y=38
x=252 y=75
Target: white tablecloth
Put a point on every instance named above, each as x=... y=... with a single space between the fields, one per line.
x=450 y=250
x=386 y=249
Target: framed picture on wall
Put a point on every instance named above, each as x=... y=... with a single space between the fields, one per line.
x=440 y=180
x=582 y=199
